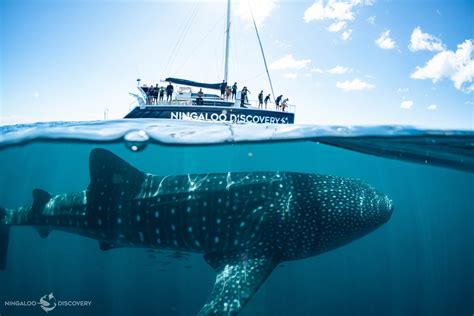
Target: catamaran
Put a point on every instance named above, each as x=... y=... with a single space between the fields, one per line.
x=187 y=104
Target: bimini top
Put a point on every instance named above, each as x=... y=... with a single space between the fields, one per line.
x=191 y=83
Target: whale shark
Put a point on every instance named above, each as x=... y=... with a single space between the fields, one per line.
x=244 y=223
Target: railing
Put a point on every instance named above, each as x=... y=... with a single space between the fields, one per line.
x=253 y=104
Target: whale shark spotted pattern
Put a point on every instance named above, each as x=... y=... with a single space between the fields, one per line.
x=245 y=224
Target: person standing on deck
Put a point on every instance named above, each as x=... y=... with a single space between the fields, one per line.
x=260 y=100
x=228 y=92
x=245 y=94
x=284 y=104
x=278 y=100
x=162 y=93
x=199 y=99
x=234 y=90
x=267 y=98
x=156 y=92
x=223 y=87
x=169 y=92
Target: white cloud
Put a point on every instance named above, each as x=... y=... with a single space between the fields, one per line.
x=289 y=62
x=333 y=10
x=346 y=35
x=385 y=42
x=290 y=75
x=371 y=19
x=432 y=107
x=339 y=12
x=355 y=84
x=402 y=90
x=281 y=45
x=407 y=104
x=457 y=66
x=317 y=71
x=424 y=41
x=339 y=70
x=261 y=9
x=337 y=26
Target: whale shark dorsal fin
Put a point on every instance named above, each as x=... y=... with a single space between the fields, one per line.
x=238 y=278
x=111 y=176
x=40 y=198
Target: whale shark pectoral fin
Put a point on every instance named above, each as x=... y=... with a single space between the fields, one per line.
x=236 y=282
x=111 y=177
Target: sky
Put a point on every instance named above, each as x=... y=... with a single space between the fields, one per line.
x=341 y=62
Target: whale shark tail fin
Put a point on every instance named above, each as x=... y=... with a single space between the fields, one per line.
x=238 y=278
x=111 y=177
x=4 y=239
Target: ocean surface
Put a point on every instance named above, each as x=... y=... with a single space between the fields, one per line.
x=421 y=262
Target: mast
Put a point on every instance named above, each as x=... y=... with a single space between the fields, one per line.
x=227 y=40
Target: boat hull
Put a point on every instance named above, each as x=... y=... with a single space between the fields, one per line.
x=213 y=114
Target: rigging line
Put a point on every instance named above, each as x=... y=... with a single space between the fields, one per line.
x=199 y=44
x=183 y=40
x=171 y=52
x=263 y=54
x=179 y=38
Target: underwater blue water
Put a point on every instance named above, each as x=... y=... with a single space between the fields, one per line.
x=421 y=262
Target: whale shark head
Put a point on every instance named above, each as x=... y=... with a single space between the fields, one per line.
x=359 y=211
x=340 y=210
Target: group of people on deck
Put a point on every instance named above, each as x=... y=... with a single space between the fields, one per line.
x=230 y=92
x=280 y=104
x=156 y=94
